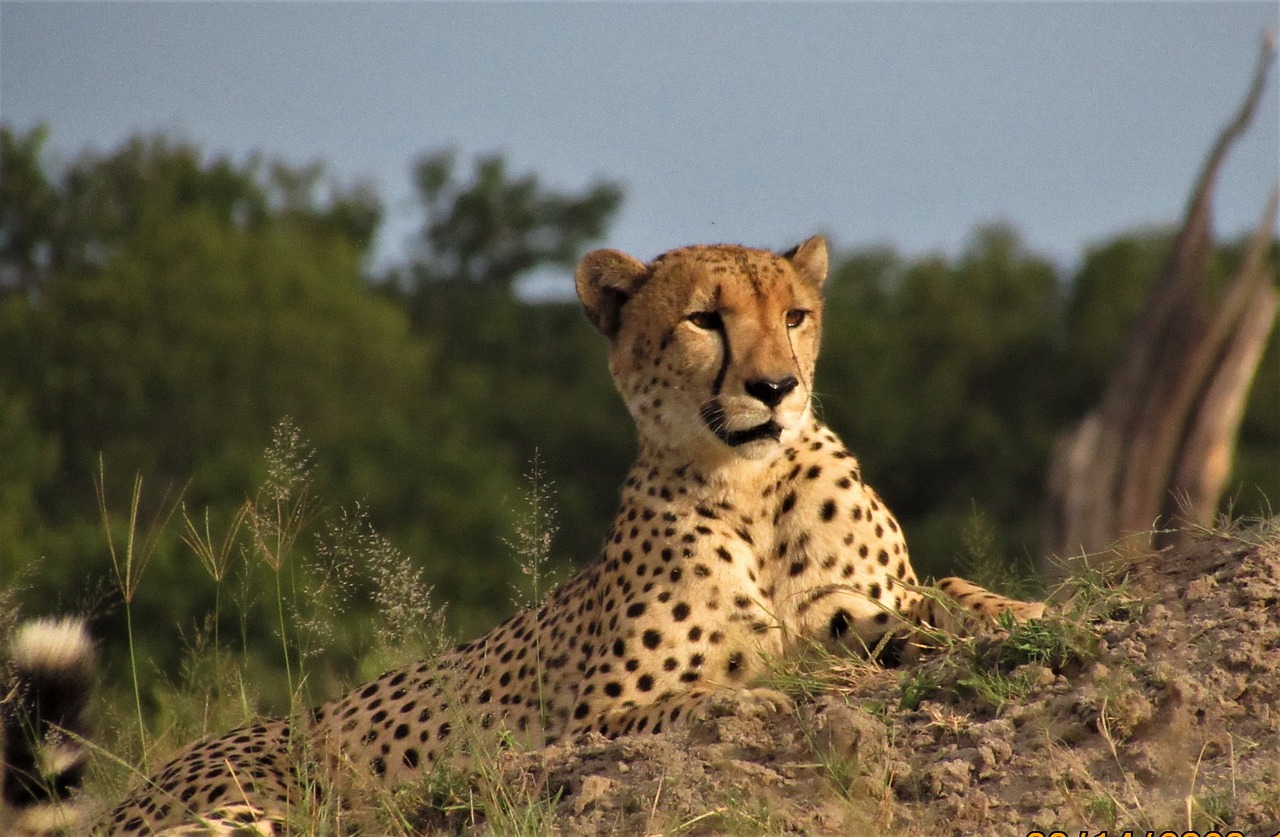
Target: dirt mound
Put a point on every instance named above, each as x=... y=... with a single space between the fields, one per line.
x=1151 y=703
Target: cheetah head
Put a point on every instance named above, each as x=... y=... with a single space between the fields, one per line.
x=711 y=345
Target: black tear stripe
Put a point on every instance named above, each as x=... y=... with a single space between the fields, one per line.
x=713 y=413
x=727 y=357
x=795 y=362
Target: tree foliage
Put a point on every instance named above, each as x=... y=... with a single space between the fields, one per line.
x=941 y=376
x=531 y=374
x=494 y=228
x=162 y=310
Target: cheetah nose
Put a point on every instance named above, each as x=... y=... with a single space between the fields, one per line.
x=770 y=390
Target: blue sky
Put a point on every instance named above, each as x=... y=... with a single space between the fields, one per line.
x=892 y=123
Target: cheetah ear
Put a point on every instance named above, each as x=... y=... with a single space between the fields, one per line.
x=605 y=280
x=809 y=258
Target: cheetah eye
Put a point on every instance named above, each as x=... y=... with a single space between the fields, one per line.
x=796 y=317
x=708 y=320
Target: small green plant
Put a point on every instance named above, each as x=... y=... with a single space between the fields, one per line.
x=1053 y=642
x=1098 y=588
x=996 y=689
x=1102 y=811
x=843 y=771
x=979 y=559
x=918 y=686
x=878 y=709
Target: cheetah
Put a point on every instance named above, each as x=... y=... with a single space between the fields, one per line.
x=745 y=532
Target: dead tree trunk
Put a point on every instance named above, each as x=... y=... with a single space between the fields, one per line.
x=1155 y=453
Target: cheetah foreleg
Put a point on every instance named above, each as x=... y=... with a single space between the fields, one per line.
x=957 y=607
x=674 y=709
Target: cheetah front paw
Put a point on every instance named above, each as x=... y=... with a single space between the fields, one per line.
x=757 y=702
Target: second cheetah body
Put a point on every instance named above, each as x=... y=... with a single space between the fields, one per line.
x=745 y=532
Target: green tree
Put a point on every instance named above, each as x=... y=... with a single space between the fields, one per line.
x=495 y=228
x=170 y=303
x=940 y=377
x=27 y=207
x=950 y=379
x=531 y=375
x=170 y=310
x=161 y=310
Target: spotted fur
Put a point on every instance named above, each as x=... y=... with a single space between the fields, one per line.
x=744 y=532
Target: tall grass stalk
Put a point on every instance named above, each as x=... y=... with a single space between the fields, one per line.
x=534 y=532
x=215 y=557
x=278 y=517
x=128 y=566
